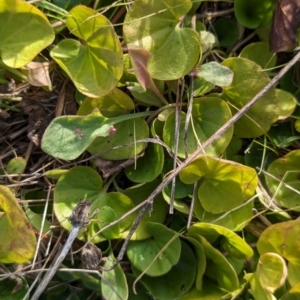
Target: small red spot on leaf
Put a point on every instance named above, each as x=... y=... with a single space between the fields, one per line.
x=112 y=130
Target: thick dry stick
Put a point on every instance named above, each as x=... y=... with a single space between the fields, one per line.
x=78 y=219
x=215 y=136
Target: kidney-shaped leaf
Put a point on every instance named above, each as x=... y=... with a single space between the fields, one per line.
x=271 y=271
x=177 y=281
x=67 y=137
x=96 y=66
x=248 y=80
x=18 y=240
x=154 y=26
x=85 y=183
x=282 y=178
x=209 y=114
x=24 y=31
x=161 y=251
x=235 y=220
x=232 y=243
x=224 y=185
x=270 y=274
x=254 y=13
x=260 y=54
x=281 y=238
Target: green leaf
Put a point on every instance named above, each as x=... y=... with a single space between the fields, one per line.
x=179 y=204
x=224 y=184
x=293 y=293
x=67 y=137
x=55 y=173
x=85 y=183
x=281 y=135
x=248 y=80
x=254 y=13
x=227 y=31
x=177 y=281
x=201 y=262
x=208 y=41
x=16 y=165
x=182 y=191
x=105 y=216
x=283 y=181
x=293 y=272
x=127 y=132
x=115 y=103
x=215 y=73
x=257 y=290
x=25 y=32
x=147 y=97
x=160 y=252
x=233 y=244
x=260 y=54
x=18 y=240
x=91 y=281
x=147 y=167
x=36 y=221
x=96 y=66
x=271 y=271
x=210 y=291
x=116 y=279
x=141 y=291
x=11 y=289
x=235 y=219
x=209 y=114
x=159 y=211
x=287 y=103
x=270 y=274
x=201 y=87
x=233 y=148
x=217 y=267
x=297 y=125
x=154 y=26
x=280 y=238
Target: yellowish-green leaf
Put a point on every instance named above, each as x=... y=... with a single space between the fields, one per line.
x=96 y=66
x=25 y=32
x=248 y=80
x=224 y=184
x=154 y=26
x=18 y=242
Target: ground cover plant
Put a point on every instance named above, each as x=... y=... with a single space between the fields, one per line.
x=149 y=149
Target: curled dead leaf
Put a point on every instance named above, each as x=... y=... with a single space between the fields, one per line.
x=285 y=25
